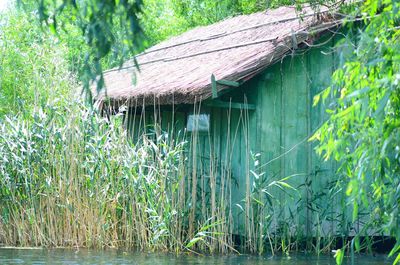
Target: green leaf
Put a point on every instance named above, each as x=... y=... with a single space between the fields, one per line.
x=395 y=249
x=339 y=255
x=53 y=28
x=355 y=211
x=326 y=93
x=397 y=260
x=286 y=185
x=382 y=104
x=193 y=241
x=317 y=97
x=240 y=207
x=257 y=201
x=347 y=110
x=358 y=92
x=357 y=243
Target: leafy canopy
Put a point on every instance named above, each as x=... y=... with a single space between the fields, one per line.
x=33 y=66
x=108 y=27
x=363 y=131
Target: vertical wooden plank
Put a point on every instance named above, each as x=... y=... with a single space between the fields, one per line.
x=269 y=131
x=294 y=135
x=215 y=162
x=165 y=121
x=179 y=123
x=235 y=156
x=224 y=181
x=323 y=173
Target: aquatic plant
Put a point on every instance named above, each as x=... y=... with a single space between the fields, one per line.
x=70 y=177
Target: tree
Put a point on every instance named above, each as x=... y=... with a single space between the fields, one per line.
x=363 y=130
x=108 y=28
x=165 y=18
x=33 y=70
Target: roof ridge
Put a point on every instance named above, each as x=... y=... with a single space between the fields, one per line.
x=211 y=37
x=169 y=59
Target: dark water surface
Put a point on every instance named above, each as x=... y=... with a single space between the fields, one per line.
x=109 y=257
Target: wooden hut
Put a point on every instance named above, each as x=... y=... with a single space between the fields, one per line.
x=241 y=91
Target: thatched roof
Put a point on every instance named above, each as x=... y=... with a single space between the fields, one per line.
x=179 y=70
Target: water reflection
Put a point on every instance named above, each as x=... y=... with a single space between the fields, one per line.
x=108 y=257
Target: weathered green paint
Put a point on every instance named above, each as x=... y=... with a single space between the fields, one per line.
x=228 y=83
x=273 y=117
x=229 y=105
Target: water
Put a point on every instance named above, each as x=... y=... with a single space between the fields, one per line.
x=109 y=257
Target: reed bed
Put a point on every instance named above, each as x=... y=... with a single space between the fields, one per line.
x=70 y=177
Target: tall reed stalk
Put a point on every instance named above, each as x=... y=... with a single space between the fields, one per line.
x=70 y=177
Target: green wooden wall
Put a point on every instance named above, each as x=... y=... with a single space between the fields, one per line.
x=275 y=133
